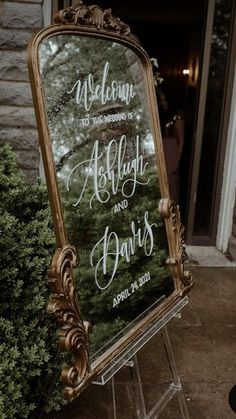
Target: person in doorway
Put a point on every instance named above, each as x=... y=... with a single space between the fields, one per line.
x=173 y=142
x=172 y=130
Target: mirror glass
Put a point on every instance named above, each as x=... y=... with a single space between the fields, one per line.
x=100 y=125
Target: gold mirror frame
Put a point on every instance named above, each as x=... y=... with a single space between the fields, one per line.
x=73 y=333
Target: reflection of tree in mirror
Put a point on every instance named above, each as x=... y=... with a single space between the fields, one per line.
x=107 y=175
x=101 y=306
x=64 y=61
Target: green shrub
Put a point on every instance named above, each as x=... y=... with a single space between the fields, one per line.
x=30 y=361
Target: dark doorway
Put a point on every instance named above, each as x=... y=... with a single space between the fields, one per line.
x=173 y=32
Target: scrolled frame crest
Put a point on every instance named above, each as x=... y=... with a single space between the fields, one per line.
x=92 y=16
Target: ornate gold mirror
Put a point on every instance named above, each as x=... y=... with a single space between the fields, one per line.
x=119 y=260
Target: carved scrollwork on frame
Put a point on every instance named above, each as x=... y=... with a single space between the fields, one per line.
x=73 y=334
x=178 y=256
x=92 y=16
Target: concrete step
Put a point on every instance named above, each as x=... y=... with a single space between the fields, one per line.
x=232 y=247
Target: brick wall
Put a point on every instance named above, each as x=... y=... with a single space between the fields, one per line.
x=18 y=22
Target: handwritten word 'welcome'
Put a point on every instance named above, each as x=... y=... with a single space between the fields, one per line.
x=88 y=91
x=110 y=168
x=114 y=247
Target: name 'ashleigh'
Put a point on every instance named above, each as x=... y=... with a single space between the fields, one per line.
x=110 y=168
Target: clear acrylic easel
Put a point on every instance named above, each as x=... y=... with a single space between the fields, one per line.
x=129 y=358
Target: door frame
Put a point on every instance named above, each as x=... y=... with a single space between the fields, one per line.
x=223 y=131
x=197 y=140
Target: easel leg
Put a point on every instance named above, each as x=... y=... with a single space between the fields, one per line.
x=176 y=380
x=174 y=388
x=113 y=396
x=112 y=409
x=138 y=390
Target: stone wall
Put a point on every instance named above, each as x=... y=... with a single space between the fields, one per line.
x=18 y=22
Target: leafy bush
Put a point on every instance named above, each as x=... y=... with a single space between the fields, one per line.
x=30 y=361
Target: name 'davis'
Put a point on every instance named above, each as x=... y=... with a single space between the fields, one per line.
x=113 y=249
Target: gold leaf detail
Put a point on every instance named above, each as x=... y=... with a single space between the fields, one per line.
x=178 y=256
x=92 y=16
x=64 y=306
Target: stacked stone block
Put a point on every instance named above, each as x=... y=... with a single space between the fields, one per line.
x=19 y=21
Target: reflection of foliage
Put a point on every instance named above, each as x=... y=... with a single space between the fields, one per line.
x=64 y=61
x=103 y=330
x=97 y=305
x=220 y=44
x=73 y=142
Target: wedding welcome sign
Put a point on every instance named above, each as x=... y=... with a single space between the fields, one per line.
x=119 y=263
